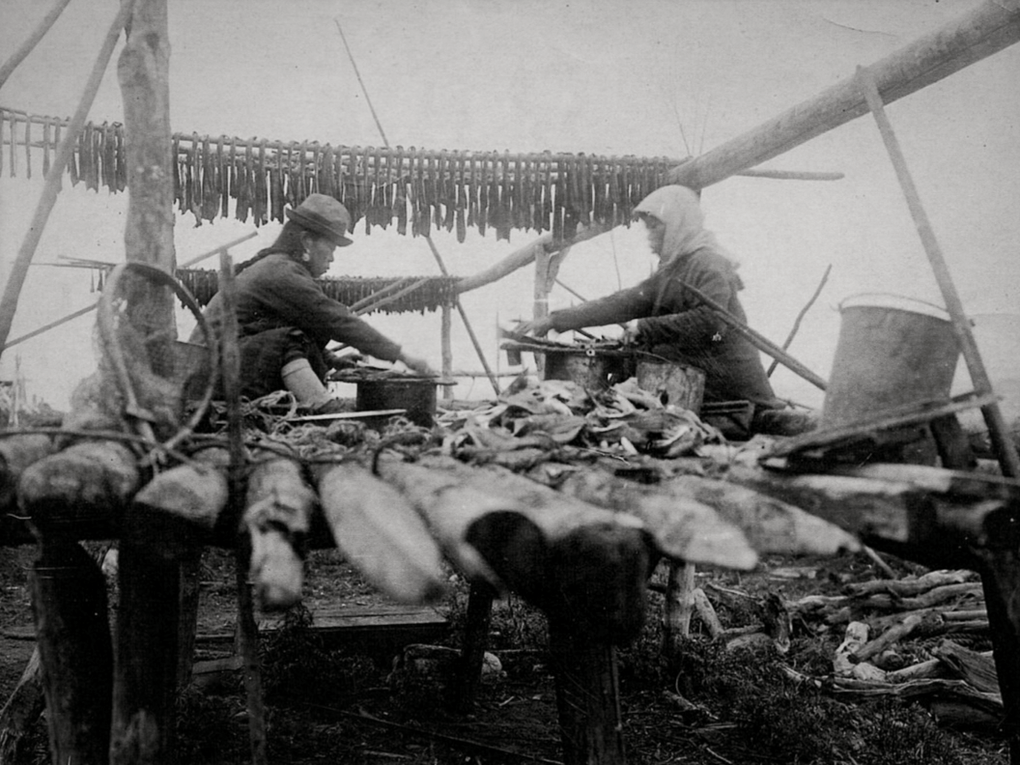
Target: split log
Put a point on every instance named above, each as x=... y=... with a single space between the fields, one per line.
x=452 y=509
x=277 y=520
x=380 y=533
x=922 y=670
x=682 y=527
x=954 y=703
x=80 y=492
x=178 y=510
x=75 y=650
x=897 y=516
x=17 y=452
x=594 y=561
x=770 y=525
x=977 y=669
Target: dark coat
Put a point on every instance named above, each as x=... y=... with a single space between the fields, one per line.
x=675 y=325
x=283 y=315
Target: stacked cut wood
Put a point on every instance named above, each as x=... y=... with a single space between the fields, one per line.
x=908 y=638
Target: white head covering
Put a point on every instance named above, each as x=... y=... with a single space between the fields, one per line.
x=680 y=211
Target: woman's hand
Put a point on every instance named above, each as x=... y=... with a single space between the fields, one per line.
x=418 y=365
x=630 y=334
x=535 y=327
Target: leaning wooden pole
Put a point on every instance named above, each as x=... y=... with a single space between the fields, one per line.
x=987 y=29
x=997 y=430
x=51 y=185
x=33 y=39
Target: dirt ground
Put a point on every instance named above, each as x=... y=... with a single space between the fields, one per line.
x=331 y=704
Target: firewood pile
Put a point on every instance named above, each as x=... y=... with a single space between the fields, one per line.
x=911 y=638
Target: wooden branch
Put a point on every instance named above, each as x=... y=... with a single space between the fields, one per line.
x=381 y=534
x=911 y=586
x=51 y=187
x=524 y=256
x=906 y=627
x=277 y=519
x=33 y=39
x=977 y=669
x=990 y=27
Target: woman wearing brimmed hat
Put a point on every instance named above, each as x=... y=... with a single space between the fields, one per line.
x=285 y=319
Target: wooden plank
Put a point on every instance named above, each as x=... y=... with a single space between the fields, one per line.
x=339 y=624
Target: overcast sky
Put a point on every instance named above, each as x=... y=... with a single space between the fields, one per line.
x=638 y=77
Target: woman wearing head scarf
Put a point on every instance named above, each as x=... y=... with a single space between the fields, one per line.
x=285 y=319
x=673 y=323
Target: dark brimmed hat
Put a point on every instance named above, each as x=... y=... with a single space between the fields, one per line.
x=323 y=215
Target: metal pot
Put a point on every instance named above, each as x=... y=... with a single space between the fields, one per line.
x=417 y=395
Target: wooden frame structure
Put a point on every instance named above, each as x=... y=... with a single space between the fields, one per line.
x=121 y=709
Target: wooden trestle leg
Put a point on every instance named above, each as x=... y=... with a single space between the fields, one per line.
x=69 y=600
x=476 y=637
x=587 y=694
x=146 y=669
x=1000 y=575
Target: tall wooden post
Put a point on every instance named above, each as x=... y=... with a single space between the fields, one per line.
x=446 y=346
x=145 y=676
x=541 y=298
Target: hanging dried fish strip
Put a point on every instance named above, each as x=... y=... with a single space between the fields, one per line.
x=400 y=193
x=121 y=157
x=447 y=193
x=28 y=147
x=505 y=221
x=46 y=146
x=469 y=190
x=14 y=143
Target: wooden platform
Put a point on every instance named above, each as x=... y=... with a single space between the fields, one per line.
x=375 y=630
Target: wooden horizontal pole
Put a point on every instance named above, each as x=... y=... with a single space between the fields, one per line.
x=987 y=29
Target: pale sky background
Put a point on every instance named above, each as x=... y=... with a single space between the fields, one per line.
x=641 y=77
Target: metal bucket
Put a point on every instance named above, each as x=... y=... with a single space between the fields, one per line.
x=672 y=383
x=892 y=352
x=590 y=368
x=417 y=395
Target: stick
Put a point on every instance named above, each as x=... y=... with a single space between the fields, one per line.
x=800 y=316
x=33 y=39
x=51 y=186
x=247 y=630
x=428 y=239
x=759 y=341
